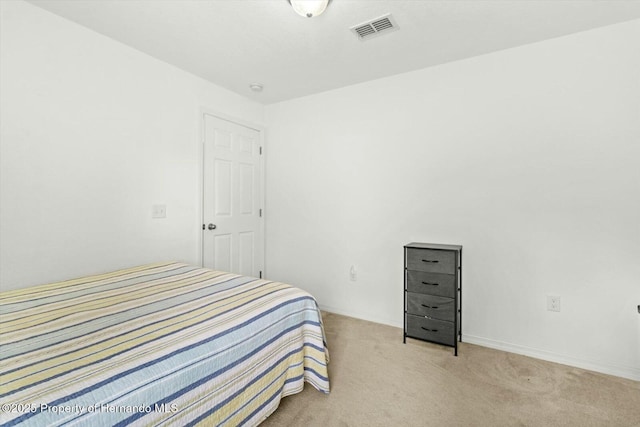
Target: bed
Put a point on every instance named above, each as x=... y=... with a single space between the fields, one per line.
x=162 y=344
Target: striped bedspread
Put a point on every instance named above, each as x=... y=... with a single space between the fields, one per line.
x=163 y=344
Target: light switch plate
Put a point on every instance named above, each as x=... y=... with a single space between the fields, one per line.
x=159 y=211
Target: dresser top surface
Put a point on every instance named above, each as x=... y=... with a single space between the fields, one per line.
x=434 y=246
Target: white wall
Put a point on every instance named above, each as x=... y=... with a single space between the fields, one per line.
x=528 y=157
x=93 y=134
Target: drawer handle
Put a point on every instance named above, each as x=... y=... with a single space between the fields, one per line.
x=429 y=330
x=430 y=260
x=430 y=284
x=430 y=306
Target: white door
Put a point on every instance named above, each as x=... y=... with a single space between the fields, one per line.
x=233 y=237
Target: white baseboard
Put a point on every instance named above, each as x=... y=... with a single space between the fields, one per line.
x=362 y=316
x=618 y=371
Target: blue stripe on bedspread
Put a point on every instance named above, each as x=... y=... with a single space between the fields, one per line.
x=204 y=346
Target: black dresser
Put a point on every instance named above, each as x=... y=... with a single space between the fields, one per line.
x=433 y=293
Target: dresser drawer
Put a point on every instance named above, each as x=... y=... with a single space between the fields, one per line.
x=441 y=308
x=430 y=329
x=431 y=283
x=434 y=261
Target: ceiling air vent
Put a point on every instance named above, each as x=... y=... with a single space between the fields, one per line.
x=375 y=27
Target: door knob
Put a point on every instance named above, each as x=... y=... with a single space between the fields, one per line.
x=211 y=226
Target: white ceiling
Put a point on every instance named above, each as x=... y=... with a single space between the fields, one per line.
x=236 y=42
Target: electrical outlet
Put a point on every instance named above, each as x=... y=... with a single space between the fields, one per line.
x=553 y=303
x=353 y=273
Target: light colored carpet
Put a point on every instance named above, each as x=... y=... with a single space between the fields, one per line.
x=376 y=380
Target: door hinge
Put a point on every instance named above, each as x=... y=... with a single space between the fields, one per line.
x=260 y=213
x=261 y=274
x=261 y=151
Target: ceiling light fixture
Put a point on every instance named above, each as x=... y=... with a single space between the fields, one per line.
x=256 y=87
x=309 y=8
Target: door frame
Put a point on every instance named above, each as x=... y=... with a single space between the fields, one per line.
x=203 y=111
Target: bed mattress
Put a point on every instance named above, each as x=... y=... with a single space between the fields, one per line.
x=162 y=344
